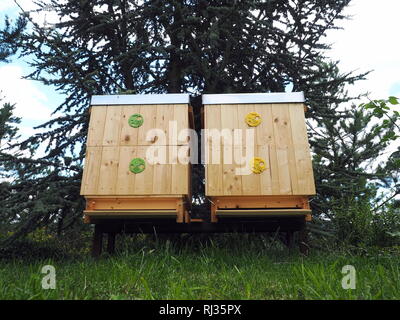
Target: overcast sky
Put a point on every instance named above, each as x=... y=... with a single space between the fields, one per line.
x=369 y=41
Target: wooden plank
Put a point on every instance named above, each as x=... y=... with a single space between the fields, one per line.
x=291 y=154
x=135 y=214
x=213 y=121
x=265 y=130
x=108 y=170
x=251 y=182
x=162 y=171
x=165 y=114
x=228 y=124
x=128 y=212
x=283 y=170
x=181 y=116
x=179 y=170
x=132 y=203
x=125 y=178
x=261 y=202
x=266 y=176
x=91 y=170
x=214 y=182
x=149 y=114
x=262 y=212
x=144 y=180
x=305 y=176
x=283 y=143
x=232 y=182
x=112 y=127
x=128 y=135
x=96 y=126
x=242 y=111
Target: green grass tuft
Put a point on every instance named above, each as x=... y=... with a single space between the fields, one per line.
x=201 y=267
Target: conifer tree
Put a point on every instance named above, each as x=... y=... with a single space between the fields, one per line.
x=154 y=46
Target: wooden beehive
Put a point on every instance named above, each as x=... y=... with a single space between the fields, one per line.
x=109 y=185
x=280 y=140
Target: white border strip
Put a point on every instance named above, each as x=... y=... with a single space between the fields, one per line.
x=168 y=98
x=242 y=98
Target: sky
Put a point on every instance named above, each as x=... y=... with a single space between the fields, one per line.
x=369 y=41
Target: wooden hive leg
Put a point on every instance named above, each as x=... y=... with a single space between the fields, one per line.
x=303 y=242
x=111 y=242
x=290 y=239
x=180 y=210
x=214 y=212
x=97 y=241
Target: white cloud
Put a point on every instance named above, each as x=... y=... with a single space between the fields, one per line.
x=30 y=101
x=369 y=41
x=25 y=4
x=43 y=18
x=6 y=4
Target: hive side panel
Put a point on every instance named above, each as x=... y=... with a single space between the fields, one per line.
x=96 y=126
x=91 y=171
x=302 y=153
x=108 y=171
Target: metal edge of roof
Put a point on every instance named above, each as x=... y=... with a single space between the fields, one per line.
x=129 y=99
x=243 y=98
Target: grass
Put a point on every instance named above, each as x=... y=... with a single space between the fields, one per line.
x=198 y=267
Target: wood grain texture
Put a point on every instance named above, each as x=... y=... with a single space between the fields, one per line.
x=96 y=126
x=113 y=143
x=112 y=127
x=281 y=140
x=90 y=178
x=108 y=170
x=128 y=135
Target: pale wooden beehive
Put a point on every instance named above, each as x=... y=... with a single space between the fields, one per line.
x=112 y=143
x=280 y=140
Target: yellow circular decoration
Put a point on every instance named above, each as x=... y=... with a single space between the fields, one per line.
x=253 y=119
x=258 y=165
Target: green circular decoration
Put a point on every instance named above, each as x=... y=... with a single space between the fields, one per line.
x=135 y=120
x=137 y=165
